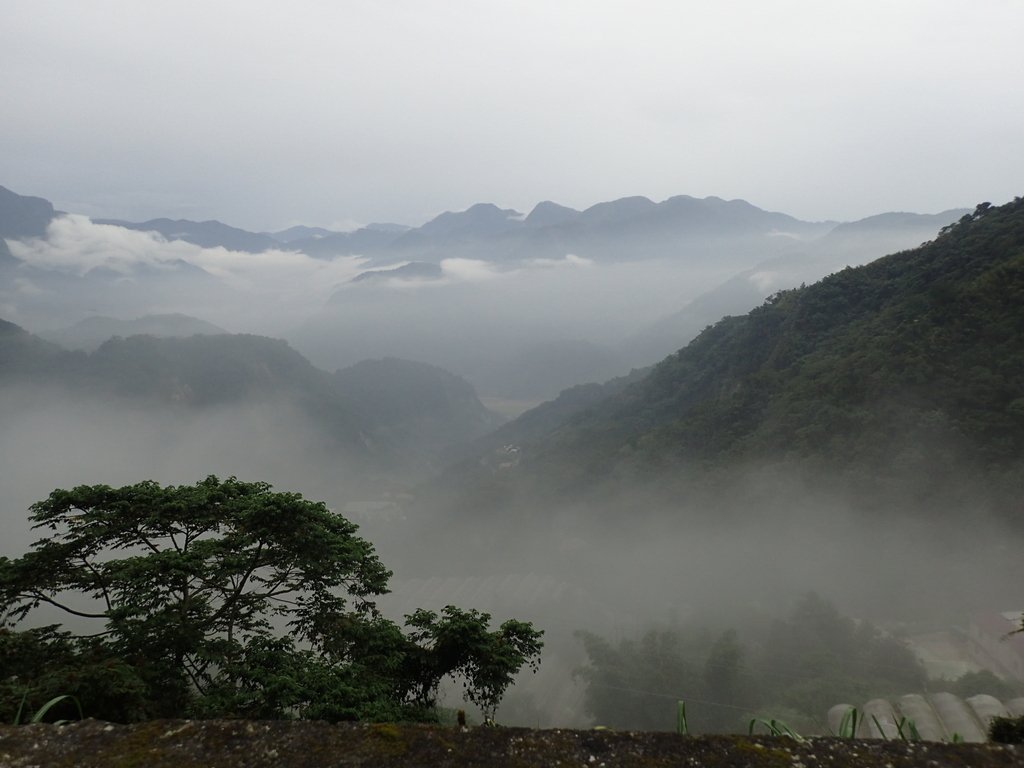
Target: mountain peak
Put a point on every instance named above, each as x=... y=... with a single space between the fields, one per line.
x=547 y=213
x=619 y=210
x=22 y=216
x=481 y=218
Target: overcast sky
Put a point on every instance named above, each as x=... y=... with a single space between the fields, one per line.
x=334 y=113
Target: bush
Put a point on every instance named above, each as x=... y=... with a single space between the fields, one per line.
x=1007 y=730
x=41 y=664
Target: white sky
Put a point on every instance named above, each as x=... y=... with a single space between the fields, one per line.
x=266 y=114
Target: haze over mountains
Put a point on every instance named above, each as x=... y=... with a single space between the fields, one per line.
x=489 y=294
x=907 y=367
x=861 y=437
x=386 y=416
x=556 y=297
x=714 y=435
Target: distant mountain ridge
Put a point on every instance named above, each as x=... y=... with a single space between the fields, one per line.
x=845 y=245
x=384 y=411
x=207 y=234
x=91 y=332
x=414 y=270
x=555 y=329
x=630 y=228
x=300 y=232
x=22 y=216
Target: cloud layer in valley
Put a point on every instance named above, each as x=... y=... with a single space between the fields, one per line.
x=259 y=291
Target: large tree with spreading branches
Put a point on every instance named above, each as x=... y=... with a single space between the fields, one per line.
x=228 y=598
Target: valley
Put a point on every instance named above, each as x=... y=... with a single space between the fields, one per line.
x=690 y=426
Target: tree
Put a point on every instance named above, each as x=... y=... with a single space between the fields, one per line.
x=636 y=683
x=188 y=583
x=458 y=642
x=795 y=668
x=723 y=681
x=832 y=658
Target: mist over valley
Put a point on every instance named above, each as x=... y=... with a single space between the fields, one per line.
x=692 y=426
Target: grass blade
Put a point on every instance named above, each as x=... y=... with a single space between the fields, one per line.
x=41 y=712
x=682 y=727
x=848 y=724
x=881 y=731
x=21 y=709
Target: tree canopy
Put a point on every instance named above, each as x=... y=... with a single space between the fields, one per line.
x=228 y=598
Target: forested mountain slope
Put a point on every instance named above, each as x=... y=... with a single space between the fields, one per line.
x=90 y=333
x=385 y=411
x=909 y=367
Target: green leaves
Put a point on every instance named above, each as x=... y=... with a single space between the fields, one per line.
x=186 y=584
x=41 y=713
x=55 y=675
x=459 y=642
x=184 y=577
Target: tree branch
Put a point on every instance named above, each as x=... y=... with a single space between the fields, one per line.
x=99 y=577
x=72 y=611
x=230 y=601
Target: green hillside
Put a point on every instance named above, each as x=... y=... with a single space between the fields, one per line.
x=909 y=370
x=24 y=356
x=417 y=409
x=391 y=412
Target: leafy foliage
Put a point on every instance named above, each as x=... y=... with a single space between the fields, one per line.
x=458 y=642
x=189 y=584
x=1007 y=730
x=831 y=658
x=41 y=664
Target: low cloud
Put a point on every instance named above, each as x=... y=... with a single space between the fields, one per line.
x=570 y=260
x=764 y=280
x=469 y=270
x=281 y=283
x=474 y=270
x=26 y=287
x=457 y=271
x=74 y=244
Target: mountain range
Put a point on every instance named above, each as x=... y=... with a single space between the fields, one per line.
x=536 y=302
x=631 y=228
x=90 y=333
